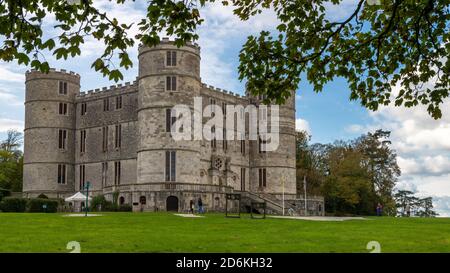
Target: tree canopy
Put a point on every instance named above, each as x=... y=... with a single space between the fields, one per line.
x=387 y=50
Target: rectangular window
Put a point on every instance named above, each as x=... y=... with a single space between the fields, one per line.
x=171 y=58
x=82 y=141
x=62 y=108
x=243 y=146
x=262 y=178
x=171 y=83
x=62 y=174
x=118 y=140
x=62 y=139
x=118 y=102
x=83 y=109
x=224 y=141
x=170 y=166
x=242 y=179
x=106 y=105
x=213 y=140
x=169 y=120
x=117 y=172
x=63 y=88
x=105 y=139
x=104 y=173
x=82 y=176
x=262 y=146
x=224 y=109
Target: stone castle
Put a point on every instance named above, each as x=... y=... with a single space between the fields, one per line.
x=118 y=139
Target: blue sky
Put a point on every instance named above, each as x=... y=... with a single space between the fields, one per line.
x=422 y=144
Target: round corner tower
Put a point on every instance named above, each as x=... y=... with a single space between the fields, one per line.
x=280 y=164
x=168 y=76
x=49 y=135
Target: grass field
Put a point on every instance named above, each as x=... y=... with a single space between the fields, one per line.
x=164 y=232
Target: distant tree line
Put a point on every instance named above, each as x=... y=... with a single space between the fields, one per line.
x=354 y=176
x=410 y=205
x=11 y=163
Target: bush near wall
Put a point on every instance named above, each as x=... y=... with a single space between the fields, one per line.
x=13 y=204
x=37 y=205
x=4 y=193
x=99 y=203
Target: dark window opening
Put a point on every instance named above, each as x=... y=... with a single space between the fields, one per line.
x=62 y=139
x=171 y=83
x=262 y=178
x=170 y=166
x=63 y=108
x=61 y=174
x=171 y=58
x=63 y=88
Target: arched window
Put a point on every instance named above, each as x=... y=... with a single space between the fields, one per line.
x=121 y=200
x=142 y=200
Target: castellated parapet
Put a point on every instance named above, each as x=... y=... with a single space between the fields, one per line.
x=116 y=138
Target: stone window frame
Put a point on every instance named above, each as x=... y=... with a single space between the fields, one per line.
x=243 y=176
x=104 y=173
x=63 y=109
x=62 y=139
x=82 y=141
x=170 y=120
x=262 y=177
x=83 y=109
x=106 y=105
x=171 y=83
x=82 y=176
x=62 y=174
x=117 y=172
x=62 y=88
x=170 y=166
x=119 y=100
x=118 y=136
x=171 y=58
x=105 y=133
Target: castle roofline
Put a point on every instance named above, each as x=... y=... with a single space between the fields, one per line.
x=54 y=70
x=220 y=90
x=168 y=41
x=106 y=89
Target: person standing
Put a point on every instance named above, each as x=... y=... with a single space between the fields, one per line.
x=191 y=206
x=379 y=209
x=200 y=205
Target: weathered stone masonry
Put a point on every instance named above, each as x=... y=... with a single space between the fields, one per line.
x=132 y=118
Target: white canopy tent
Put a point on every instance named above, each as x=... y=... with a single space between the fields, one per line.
x=78 y=197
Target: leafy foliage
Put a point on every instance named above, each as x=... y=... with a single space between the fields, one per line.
x=408 y=204
x=353 y=176
x=393 y=52
x=42 y=205
x=13 y=204
x=11 y=162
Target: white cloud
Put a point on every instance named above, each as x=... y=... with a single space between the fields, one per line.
x=302 y=125
x=10 y=76
x=8 y=124
x=355 y=128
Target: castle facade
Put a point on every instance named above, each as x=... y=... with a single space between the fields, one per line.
x=118 y=139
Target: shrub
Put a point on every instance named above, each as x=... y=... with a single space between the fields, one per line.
x=37 y=205
x=125 y=207
x=98 y=203
x=13 y=204
x=4 y=193
x=109 y=206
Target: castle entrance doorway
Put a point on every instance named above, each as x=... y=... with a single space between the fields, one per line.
x=172 y=203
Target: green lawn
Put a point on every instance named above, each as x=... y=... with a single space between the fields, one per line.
x=164 y=232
